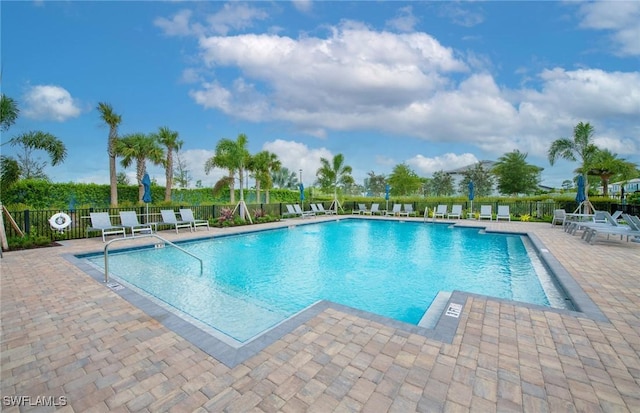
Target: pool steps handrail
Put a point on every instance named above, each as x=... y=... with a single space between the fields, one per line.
x=166 y=241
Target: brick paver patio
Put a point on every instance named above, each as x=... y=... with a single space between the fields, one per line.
x=69 y=340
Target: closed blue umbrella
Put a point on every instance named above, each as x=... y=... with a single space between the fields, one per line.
x=472 y=193
x=580 y=198
x=146 y=182
x=146 y=197
x=301 y=192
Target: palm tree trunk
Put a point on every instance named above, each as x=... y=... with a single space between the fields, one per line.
x=257 y=190
x=232 y=186
x=241 y=176
x=168 y=176
x=113 y=181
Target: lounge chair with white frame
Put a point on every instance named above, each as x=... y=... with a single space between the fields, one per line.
x=485 y=212
x=326 y=211
x=629 y=231
x=129 y=220
x=395 y=210
x=169 y=218
x=302 y=213
x=456 y=212
x=408 y=210
x=559 y=215
x=503 y=213
x=375 y=209
x=100 y=221
x=362 y=209
x=290 y=211
x=440 y=212
x=187 y=215
x=315 y=209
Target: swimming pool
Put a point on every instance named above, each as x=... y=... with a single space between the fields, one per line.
x=394 y=269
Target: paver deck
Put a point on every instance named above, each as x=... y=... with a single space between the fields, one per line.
x=69 y=340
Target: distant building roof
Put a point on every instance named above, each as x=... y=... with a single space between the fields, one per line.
x=485 y=165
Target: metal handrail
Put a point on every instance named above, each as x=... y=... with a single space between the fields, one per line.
x=106 y=251
x=426 y=214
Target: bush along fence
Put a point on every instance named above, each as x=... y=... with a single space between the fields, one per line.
x=36 y=222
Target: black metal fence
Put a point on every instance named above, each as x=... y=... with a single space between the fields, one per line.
x=36 y=222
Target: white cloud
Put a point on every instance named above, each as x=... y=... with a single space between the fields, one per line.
x=621 y=18
x=444 y=162
x=462 y=15
x=234 y=16
x=295 y=156
x=178 y=25
x=303 y=5
x=49 y=102
x=405 y=21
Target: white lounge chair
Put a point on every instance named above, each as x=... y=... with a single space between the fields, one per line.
x=456 y=212
x=485 y=212
x=290 y=211
x=187 y=215
x=302 y=213
x=503 y=213
x=326 y=211
x=395 y=210
x=362 y=209
x=100 y=221
x=129 y=220
x=169 y=218
x=440 y=212
x=629 y=231
x=408 y=210
x=375 y=209
x=315 y=209
x=559 y=215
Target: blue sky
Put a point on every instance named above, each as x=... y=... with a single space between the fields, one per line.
x=437 y=85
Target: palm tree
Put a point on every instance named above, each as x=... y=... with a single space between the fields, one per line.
x=263 y=164
x=8 y=112
x=283 y=178
x=234 y=156
x=333 y=173
x=170 y=140
x=606 y=164
x=581 y=148
x=112 y=119
x=139 y=147
x=10 y=168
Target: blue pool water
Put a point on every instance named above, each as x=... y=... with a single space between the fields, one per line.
x=395 y=269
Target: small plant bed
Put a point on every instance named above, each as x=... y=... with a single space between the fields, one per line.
x=228 y=219
x=29 y=242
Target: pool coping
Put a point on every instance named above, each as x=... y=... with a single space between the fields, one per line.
x=444 y=330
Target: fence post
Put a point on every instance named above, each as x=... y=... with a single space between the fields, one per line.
x=27 y=222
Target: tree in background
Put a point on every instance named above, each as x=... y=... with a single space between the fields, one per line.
x=139 y=147
x=284 y=178
x=181 y=174
x=333 y=174
x=404 y=181
x=515 y=176
x=441 y=184
x=263 y=164
x=233 y=156
x=580 y=147
x=123 y=179
x=567 y=184
x=606 y=164
x=483 y=180
x=169 y=139
x=374 y=184
x=11 y=170
x=113 y=120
